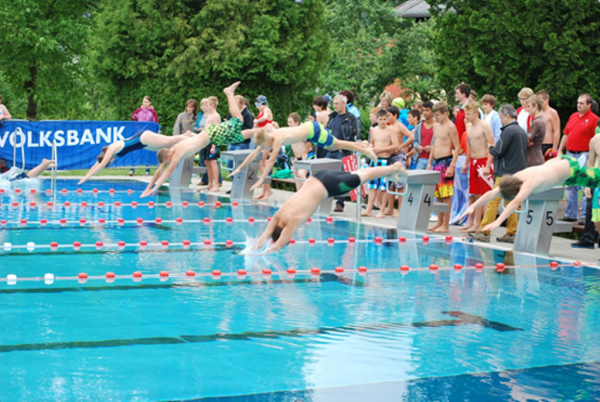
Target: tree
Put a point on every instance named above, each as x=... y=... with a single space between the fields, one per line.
x=174 y=50
x=415 y=64
x=42 y=52
x=362 y=35
x=499 y=48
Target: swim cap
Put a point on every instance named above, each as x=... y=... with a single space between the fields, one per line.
x=399 y=102
x=328 y=98
x=261 y=100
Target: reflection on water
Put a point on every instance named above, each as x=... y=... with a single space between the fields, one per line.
x=526 y=333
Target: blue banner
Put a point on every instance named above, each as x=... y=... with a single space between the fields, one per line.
x=78 y=143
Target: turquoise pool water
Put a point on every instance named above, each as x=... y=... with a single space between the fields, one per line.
x=527 y=333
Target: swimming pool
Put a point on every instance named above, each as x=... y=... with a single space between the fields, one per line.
x=450 y=335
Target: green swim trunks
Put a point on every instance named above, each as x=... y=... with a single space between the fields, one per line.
x=319 y=135
x=582 y=176
x=229 y=132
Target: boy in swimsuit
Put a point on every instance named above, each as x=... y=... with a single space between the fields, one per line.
x=229 y=132
x=481 y=174
x=322 y=111
x=536 y=179
x=384 y=141
x=442 y=159
x=312 y=131
x=405 y=139
x=302 y=151
x=143 y=139
x=322 y=185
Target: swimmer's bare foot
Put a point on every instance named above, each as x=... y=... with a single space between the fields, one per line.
x=230 y=90
x=214 y=189
x=442 y=229
x=260 y=197
x=380 y=215
x=366 y=213
x=370 y=154
x=396 y=215
x=467 y=228
x=267 y=194
x=434 y=228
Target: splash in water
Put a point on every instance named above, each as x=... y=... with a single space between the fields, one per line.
x=249 y=247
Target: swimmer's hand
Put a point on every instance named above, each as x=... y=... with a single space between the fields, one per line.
x=491 y=226
x=469 y=211
x=148 y=192
x=236 y=171
x=257 y=184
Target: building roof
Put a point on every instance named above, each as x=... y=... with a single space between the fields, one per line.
x=413 y=9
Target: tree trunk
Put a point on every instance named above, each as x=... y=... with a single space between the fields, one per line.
x=31 y=87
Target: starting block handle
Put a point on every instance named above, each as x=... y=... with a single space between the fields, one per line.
x=223 y=165
x=524 y=206
x=298 y=178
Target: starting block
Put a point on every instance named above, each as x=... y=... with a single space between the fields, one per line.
x=182 y=174
x=537 y=222
x=418 y=201
x=313 y=166
x=240 y=188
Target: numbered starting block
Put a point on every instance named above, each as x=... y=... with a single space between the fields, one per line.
x=244 y=180
x=418 y=201
x=313 y=166
x=182 y=174
x=537 y=222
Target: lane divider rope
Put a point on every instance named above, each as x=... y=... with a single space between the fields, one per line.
x=137 y=276
x=30 y=246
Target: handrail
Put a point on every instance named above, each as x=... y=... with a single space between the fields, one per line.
x=22 y=146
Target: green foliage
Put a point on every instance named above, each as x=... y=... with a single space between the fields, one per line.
x=415 y=66
x=43 y=55
x=174 y=50
x=498 y=48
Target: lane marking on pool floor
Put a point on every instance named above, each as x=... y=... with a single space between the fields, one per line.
x=461 y=319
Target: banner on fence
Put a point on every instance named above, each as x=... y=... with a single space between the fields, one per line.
x=78 y=143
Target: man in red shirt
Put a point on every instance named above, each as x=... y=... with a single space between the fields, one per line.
x=579 y=131
x=462 y=93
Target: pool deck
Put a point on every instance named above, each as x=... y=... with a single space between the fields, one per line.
x=560 y=247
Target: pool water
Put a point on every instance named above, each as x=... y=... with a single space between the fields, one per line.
x=529 y=332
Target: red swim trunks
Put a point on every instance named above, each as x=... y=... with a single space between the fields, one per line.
x=478 y=183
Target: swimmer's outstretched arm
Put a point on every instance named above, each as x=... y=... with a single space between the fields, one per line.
x=38 y=170
x=284 y=239
x=155 y=177
x=484 y=199
x=249 y=159
x=110 y=152
x=264 y=238
x=166 y=174
x=526 y=189
x=269 y=163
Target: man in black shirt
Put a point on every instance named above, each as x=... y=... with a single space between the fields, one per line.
x=344 y=126
x=510 y=157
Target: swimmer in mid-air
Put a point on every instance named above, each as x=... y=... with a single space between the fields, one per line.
x=322 y=185
x=536 y=179
x=143 y=139
x=312 y=131
x=11 y=175
x=228 y=132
